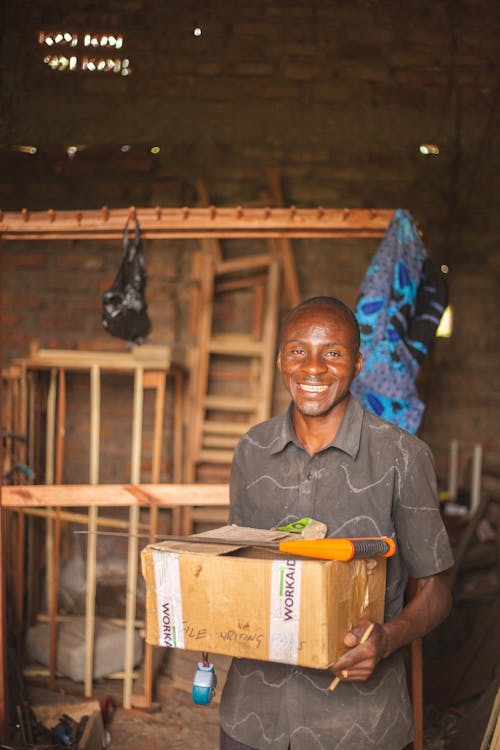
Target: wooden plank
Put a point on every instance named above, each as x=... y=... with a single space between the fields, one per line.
x=115 y=495
x=269 y=337
x=212 y=245
x=417 y=693
x=284 y=246
x=199 y=377
x=85 y=360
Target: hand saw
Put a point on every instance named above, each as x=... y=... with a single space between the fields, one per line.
x=343 y=549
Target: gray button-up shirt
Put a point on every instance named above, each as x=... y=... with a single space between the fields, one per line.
x=374 y=479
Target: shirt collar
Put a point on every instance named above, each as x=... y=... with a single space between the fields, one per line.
x=347 y=438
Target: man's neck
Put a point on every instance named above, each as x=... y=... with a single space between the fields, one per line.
x=315 y=433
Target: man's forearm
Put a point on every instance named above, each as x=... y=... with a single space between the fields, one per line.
x=425 y=611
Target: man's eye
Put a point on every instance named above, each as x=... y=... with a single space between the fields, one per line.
x=332 y=355
x=297 y=351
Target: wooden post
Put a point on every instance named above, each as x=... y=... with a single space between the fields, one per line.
x=453 y=471
x=417 y=693
x=178 y=424
x=54 y=583
x=95 y=419
x=133 y=547
x=153 y=518
x=3 y=629
x=49 y=479
x=475 y=492
x=19 y=582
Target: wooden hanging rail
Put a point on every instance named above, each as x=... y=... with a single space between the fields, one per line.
x=196 y=223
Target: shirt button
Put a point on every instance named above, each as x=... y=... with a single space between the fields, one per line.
x=309 y=476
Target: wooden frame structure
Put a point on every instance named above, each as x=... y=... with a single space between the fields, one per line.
x=149 y=368
x=207 y=223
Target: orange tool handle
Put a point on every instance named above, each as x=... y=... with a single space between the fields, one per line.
x=340 y=549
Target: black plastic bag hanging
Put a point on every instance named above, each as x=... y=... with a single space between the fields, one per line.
x=124 y=312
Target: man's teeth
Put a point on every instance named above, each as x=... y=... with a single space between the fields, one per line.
x=313 y=388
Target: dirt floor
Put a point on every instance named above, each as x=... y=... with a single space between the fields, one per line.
x=176 y=723
x=173 y=723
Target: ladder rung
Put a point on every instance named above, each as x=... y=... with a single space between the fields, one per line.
x=236 y=344
x=247 y=263
x=230 y=403
x=220 y=441
x=215 y=457
x=225 y=428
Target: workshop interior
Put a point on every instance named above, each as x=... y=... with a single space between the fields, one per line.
x=174 y=179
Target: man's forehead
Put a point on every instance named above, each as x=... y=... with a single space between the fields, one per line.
x=315 y=315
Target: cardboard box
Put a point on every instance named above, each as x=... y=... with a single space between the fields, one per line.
x=257 y=603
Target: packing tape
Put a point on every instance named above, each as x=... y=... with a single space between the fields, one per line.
x=168 y=599
x=284 y=625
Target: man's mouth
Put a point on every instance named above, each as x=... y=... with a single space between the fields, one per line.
x=312 y=388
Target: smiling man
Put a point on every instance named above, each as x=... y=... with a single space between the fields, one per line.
x=328 y=459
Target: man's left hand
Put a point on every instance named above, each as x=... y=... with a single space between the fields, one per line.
x=361 y=659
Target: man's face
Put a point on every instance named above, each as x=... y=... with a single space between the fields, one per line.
x=318 y=360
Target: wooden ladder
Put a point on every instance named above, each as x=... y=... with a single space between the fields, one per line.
x=232 y=362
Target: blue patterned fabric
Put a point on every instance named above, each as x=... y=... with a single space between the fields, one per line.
x=400 y=304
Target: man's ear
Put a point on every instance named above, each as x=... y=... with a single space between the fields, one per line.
x=278 y=361
x=358 y=365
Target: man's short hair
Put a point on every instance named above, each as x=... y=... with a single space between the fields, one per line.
x=335 y=305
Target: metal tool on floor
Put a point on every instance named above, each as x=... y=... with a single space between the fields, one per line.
x=205 y=682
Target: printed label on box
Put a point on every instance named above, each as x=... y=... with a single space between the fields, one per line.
x=168 y=599
x=285 y=611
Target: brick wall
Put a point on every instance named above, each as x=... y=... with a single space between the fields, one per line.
x=337 y=96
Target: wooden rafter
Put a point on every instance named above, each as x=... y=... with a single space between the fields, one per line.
x=196 y=223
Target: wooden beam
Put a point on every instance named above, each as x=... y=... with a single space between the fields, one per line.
x=114 y=495
x=197 y=223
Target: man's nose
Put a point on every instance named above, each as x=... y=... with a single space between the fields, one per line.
x=314 y=364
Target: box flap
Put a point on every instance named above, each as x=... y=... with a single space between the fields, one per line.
x=195 y=548
x=244 y=534
x=237 y=537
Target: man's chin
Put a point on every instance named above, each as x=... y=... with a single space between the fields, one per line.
x=312 y=410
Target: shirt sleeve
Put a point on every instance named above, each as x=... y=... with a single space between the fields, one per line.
x=421 y=535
